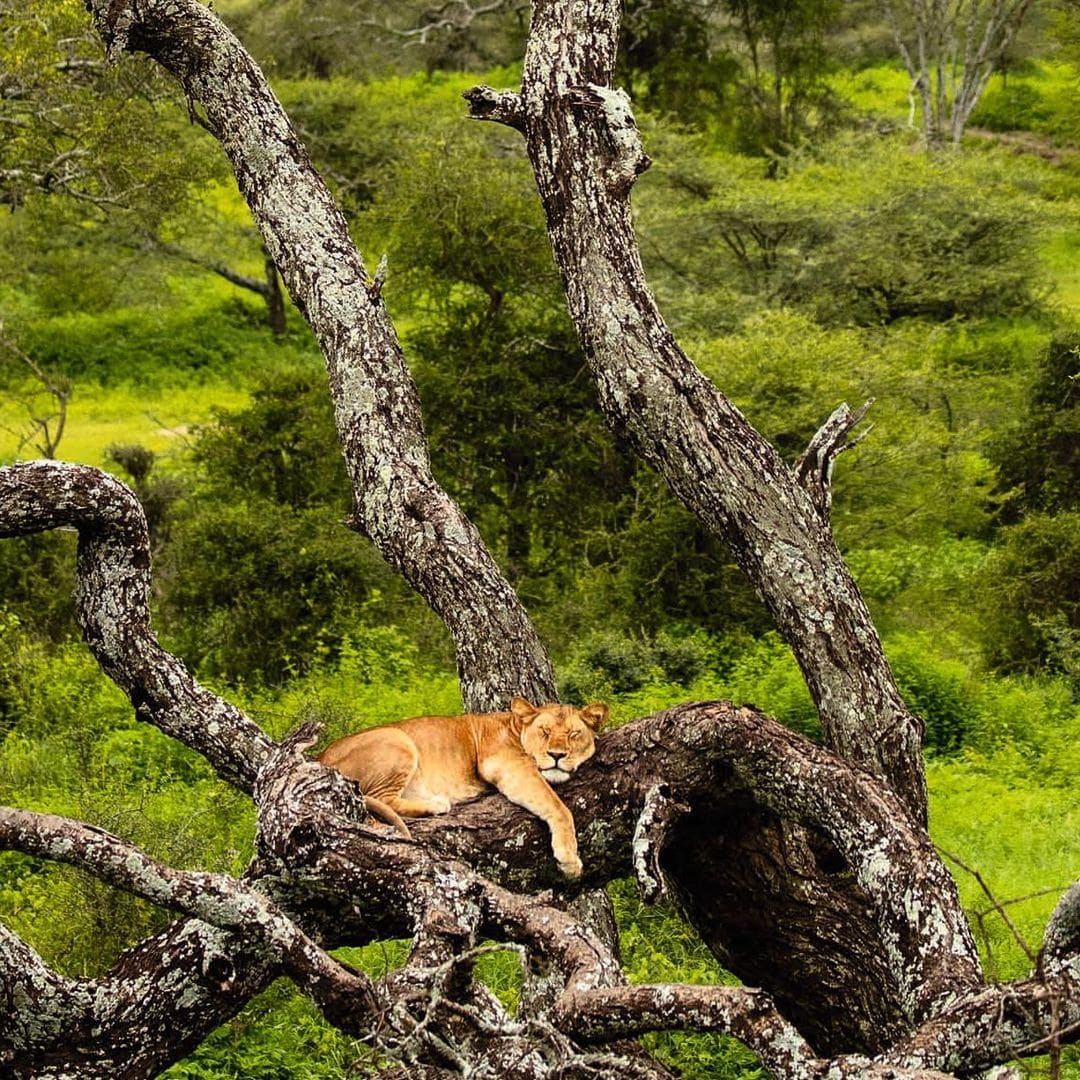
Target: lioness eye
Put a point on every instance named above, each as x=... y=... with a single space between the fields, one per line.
x=575 y=735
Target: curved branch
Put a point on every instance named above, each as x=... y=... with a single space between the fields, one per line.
x=417 y=527
x=112 y=604
x=216 y=899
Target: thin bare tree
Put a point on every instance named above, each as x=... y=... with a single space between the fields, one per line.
x=950 y=49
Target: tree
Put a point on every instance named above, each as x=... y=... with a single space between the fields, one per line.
x=950 y=49
x=806 y=867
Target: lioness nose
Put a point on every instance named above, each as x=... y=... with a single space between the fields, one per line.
x=556 y=755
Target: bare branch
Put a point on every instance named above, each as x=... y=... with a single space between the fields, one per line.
x=995 y=905
x=815 y=468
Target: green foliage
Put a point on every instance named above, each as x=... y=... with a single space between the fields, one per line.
x=668 y=56
x=1038 y=459
x=1030 y=595
x=975 y=806
x=69 y=744
x=265 y=579
x=36 y=581
x=128 y=346
x=939 y=690
x=279 y=1035
x=261 y=591
x=281 y=448
x=605 y=663
x=767 y=676
x=850 y=241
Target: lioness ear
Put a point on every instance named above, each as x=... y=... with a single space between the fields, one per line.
x=522 y=710
x=595 y=715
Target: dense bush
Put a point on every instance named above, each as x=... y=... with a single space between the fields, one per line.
x=847 y=240
x=163 y=347
x=1038 y=456
x=1030 y=596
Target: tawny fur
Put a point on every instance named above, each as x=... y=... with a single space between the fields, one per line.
x=423 y=766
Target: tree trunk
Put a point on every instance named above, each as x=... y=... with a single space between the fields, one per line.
x=417 y=527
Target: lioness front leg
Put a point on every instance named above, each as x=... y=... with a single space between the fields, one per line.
x=517 y=778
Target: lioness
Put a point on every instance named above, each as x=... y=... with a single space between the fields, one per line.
x=423 y=766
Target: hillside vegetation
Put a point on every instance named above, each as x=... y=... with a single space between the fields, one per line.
x=851 y=264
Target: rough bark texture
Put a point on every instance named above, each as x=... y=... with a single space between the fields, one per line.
x=807 y=868
x=418 y=528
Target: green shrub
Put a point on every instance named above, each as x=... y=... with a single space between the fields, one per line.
x=607 y=664
x=767 y=676
x=1012 y=106
x=153 y=347
x=936 y=689
x=1030 y=595
x=37 y=578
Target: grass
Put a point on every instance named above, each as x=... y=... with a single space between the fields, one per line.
x=1021 y=837
x=98 y=417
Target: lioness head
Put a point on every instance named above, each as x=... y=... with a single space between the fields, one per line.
x=558 y=738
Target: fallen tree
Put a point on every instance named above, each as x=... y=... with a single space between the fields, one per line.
x=806 y=869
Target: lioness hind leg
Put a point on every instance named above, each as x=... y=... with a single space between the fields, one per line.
x=385 y=761
x=436 y=804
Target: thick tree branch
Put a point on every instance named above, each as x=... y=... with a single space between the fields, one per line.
x=346 y=996
x=112 y=604
x=417 y=527
x=715 y=462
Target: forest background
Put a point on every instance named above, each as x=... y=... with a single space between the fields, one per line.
x=806 y=246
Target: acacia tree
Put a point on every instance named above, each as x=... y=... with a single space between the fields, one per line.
x=807 y=869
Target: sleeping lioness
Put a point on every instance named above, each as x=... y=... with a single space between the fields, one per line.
x=423 y=766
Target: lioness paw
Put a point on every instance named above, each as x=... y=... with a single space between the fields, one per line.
x=440 y=804
x=571 y=867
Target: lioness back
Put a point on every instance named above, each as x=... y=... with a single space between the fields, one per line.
x=424 y=765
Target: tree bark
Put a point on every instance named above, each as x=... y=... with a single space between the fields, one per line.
x=417 y=527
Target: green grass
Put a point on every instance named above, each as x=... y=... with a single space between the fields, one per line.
x=1021 y=836
x=158 y=418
